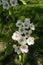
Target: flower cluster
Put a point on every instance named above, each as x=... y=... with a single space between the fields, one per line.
x=8 y=3
x=23 y=36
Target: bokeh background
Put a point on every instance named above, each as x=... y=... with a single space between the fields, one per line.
x=8 y=18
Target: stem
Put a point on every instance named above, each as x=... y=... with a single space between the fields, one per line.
x=21 y=59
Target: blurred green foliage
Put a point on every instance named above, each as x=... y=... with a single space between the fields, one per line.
x=33 y=1
x=8 y=19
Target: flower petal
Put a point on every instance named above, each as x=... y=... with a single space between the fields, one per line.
x=30 y=41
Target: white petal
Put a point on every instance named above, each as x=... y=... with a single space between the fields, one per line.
x=27 y=20
x=16 y=36
x=32 y=27
x=13 y=2
x=14 y=46
x=24 y=48
x=21 y=30
x=6 y=5
x=19 y=23
x=30 y=41
x=22 y=41
x=30 y=32
x=26 y=23
x=18 y=51
x=27 y=34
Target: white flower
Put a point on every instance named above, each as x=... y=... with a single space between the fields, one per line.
x=32 y=27
x=23 y=36
x=13 y=2
x=27 y=33
x=22 y=40
x=19 y=23
x=14 y=46
x=27 y=23
x=30 y=32
x=21 y=30
x=6 y=5
x=24 y=48
x=16 y=35
x=27 y=20
x=17 y=49
x=30 y=41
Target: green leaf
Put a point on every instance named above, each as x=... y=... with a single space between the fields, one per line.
x=9 y=50
x=20 y=57
x=23 y=1
x=2 y=57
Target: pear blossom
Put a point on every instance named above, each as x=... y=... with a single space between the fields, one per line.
x=19 y=23
x=24 y=48
x=27 y=23
x=23 y=36
x=32 y=27
x=6 y=5
x=17 y=49
x=13 y=2
x=30 y=32
x=27 y=20
x=14 y=46
x=30 y=41
x=16 y=35
x=27 y=33
x=22 y=40
x=21 y=30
